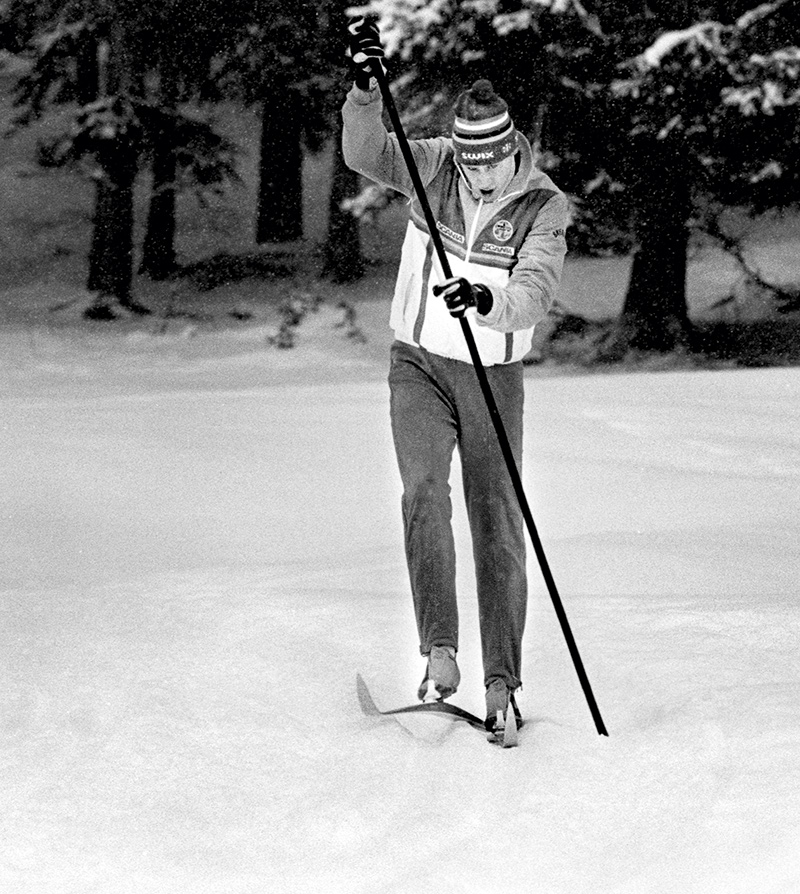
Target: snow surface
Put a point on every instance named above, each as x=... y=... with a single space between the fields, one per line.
x=201 y=547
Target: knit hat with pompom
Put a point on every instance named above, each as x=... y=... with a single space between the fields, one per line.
x=483 y=132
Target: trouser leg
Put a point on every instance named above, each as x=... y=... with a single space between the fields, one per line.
x=495 y=519
x=424 y=431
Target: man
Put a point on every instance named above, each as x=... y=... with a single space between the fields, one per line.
x=502 y=224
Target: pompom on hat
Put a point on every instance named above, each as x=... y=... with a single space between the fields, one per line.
x=483 y=132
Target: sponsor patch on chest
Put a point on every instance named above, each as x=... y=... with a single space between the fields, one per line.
x=451 y=234
x=503 y=230
x=491 y=248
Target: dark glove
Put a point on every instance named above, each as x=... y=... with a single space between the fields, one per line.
x=460 y=294
x=365 y=45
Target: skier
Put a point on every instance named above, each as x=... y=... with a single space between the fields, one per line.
x=502 y=223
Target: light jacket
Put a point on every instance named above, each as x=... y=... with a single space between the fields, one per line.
x=515 y=245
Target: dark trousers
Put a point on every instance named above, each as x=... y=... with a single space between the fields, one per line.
x=436 y=405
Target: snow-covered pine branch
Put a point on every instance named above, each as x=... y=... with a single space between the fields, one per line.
x=405 y=24
x=710 y=35
x=758 y=13
x=768 y=82
x=47 y=41
x=522 y=19
x=705 y=34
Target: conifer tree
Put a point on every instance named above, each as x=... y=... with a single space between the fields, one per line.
x=103 y=57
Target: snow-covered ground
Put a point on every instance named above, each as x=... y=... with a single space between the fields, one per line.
x=201 y=548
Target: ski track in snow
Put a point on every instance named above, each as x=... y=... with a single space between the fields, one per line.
x=202 y=546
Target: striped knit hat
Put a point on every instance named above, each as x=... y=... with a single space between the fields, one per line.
x=483 y=132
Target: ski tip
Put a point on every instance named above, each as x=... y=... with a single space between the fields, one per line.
x=366 y=701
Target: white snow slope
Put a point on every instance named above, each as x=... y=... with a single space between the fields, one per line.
x=201 y=547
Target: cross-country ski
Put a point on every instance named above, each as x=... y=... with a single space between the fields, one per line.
x=504 y=732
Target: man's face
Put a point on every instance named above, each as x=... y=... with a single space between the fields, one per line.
x=488 y=182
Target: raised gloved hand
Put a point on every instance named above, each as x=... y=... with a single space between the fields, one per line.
x=460 y=294
x=365 y=45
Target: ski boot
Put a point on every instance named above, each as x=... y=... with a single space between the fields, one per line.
x=442 y=675
x=501 y=724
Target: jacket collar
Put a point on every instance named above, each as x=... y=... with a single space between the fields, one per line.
x=520 y=181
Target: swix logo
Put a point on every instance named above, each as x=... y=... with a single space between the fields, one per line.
x=489 y=154
x=503 y=230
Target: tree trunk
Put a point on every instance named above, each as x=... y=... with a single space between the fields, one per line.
x=111 y=253
x=87 y=74
x=158 y=249
x=280 y=198
x=344 y=261
x=654 y=316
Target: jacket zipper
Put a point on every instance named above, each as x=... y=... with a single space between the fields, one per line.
x=472 y=229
